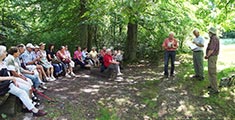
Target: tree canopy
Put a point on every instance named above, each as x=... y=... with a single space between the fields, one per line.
x=136 y=26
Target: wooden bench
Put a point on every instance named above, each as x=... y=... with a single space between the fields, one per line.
x=10 y=104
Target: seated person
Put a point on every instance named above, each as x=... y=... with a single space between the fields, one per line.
x=85 y=57
x=13 y=63
x=101 y=55
x=110 y=63
x=59 y=67
x=44 y=62
x=94 y=56
x=118 y=56
x=15 y=87
x=30 y=60
x=61 y=54
x=77 y=57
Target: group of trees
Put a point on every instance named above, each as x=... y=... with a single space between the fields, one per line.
x=136 y=26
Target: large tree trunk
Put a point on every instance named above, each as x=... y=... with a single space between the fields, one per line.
x=131 y=42
x=83 y=27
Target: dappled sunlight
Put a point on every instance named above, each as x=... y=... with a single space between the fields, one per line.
x=63 y=97
x=149 y=71
x=105 y=83
x=184 y=92
x=85 y=76
x=150 y=79
x=171 y=89
x=119 y=79
x=123 y=101
x=185 y=109
x=90 y=90
x=60 y=89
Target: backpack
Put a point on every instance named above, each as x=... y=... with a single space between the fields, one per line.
x=227 y=82
x=4 y=85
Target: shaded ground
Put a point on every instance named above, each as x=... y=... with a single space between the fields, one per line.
x=141 y=93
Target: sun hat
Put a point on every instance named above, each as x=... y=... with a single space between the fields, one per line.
x=36 y=46
x=30 y=45
x=212 y=30
x=42 y=43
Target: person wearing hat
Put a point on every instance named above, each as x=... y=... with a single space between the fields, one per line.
x=198 y=55
x=212 y=53
x=30 y=60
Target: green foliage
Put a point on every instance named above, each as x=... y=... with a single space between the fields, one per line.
x=59 y=21
x=106 y=114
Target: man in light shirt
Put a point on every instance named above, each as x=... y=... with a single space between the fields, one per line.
x=198 y=55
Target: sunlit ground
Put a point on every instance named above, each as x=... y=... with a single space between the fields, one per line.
x=226 y=57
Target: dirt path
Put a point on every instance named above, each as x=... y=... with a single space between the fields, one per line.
x=140 y=94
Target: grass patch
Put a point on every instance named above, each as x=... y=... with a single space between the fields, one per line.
x=107 y=114
x=223 y=104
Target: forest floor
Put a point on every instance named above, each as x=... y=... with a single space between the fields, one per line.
x=140 y=94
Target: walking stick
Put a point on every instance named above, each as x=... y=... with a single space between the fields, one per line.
x=43 y=95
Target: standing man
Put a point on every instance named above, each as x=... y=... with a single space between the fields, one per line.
x=170 y=45
x=212 y=52
x=198 y=55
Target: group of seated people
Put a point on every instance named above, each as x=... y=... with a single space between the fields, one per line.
x=106 y=58
x=25 y=69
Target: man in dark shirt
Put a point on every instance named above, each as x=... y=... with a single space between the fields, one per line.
x=212 y=52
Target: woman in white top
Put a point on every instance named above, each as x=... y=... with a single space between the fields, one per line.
x=44 y=62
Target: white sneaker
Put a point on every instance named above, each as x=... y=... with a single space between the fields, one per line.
x=67 y=75
x=47 y=79
x=72 y=74
x=53 y=78
x=119 y=74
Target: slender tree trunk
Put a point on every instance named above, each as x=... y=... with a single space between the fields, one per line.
x=83 y=28
x=131 y=42
x=90 y=37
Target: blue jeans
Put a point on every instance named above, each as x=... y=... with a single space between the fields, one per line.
x=34 y=79
x=169 y=55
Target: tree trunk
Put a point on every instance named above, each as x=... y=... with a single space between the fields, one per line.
x=90 y=37
x=131 y=42
x=83 y=27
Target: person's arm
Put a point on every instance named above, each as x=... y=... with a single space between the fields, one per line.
x=15 y=74
x=200 y=44
x=28 y=72
x=175 y=44
x=9 y=78
x=209 y=54
x=164 y=45
x=49 y=57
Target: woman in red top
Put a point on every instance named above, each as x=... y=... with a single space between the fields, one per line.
x=110 y=63
x=170 y=45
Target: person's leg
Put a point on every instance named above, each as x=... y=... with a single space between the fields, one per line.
x=172 y=56
x=24 y=85
x=52 y=72
x=212 y=72
x=42 y=70
x=200 y=65
x=23 y=96
x=166 y=60
x=34 y=79
x=195 y=64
